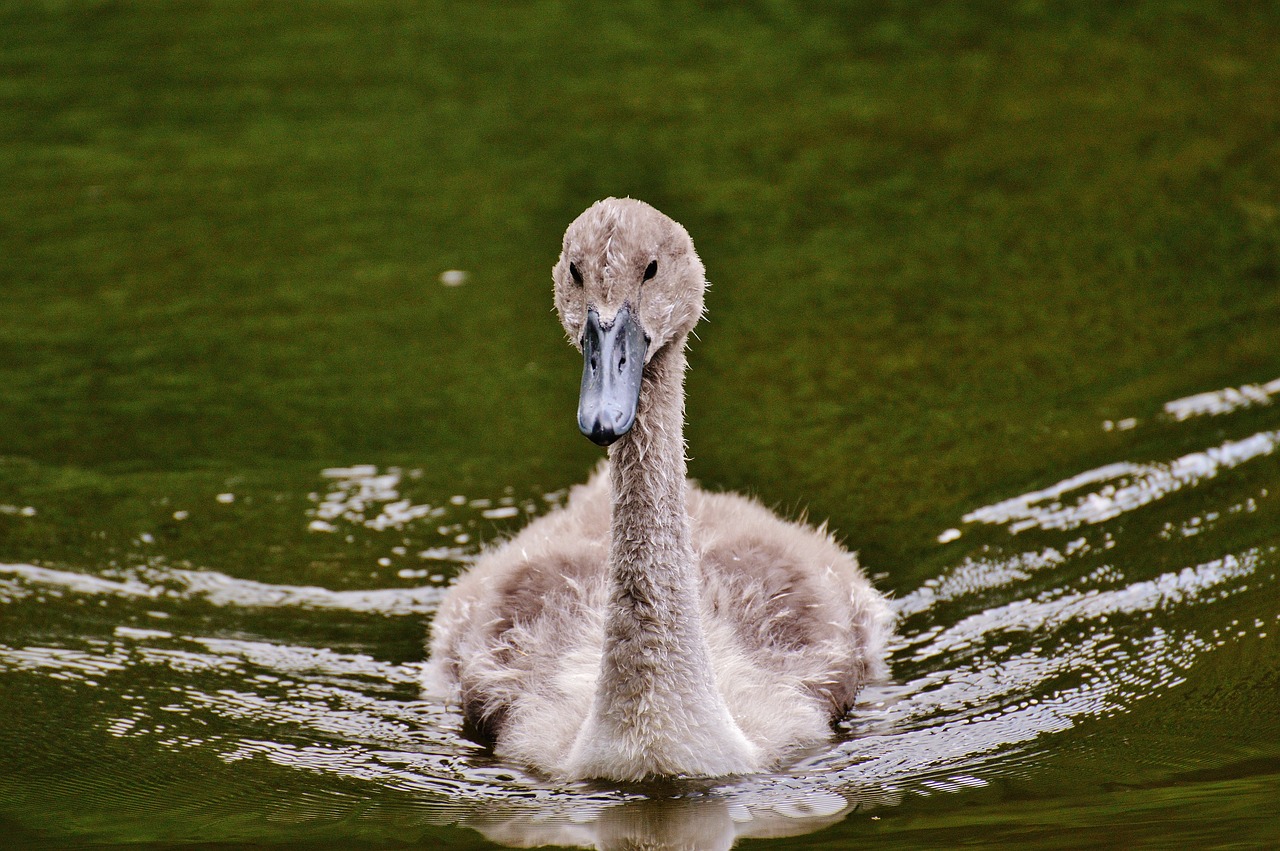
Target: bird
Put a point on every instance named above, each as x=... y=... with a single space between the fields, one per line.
x=649 y=629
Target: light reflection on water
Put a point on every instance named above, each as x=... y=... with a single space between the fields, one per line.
x=1006 y=646
x=1216 y=402
x=1124 y=487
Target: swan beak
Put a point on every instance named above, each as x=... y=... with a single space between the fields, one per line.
x=613 y=363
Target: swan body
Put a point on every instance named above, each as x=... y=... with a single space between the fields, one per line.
x=649 y=628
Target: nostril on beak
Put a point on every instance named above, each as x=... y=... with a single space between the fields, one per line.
x=611 y=379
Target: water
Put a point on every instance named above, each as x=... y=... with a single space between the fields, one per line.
x=994 y=288
x=157 y=701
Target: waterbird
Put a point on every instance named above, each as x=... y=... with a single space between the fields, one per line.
x=650 y=628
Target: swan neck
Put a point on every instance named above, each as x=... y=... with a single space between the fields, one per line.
x=656 y=680
x=651 y=559
x=657 y=710
x=648 y=471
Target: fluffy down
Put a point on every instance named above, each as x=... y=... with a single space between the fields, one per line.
x=792 y=625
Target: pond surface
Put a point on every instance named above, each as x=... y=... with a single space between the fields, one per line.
x=1104 y=643
x=995 y=292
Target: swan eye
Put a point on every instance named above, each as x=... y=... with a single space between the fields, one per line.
x=651 y=269
x=577 y=276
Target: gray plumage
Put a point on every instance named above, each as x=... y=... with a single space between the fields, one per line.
x=650 y=628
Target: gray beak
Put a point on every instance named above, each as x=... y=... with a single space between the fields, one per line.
x=613 y=362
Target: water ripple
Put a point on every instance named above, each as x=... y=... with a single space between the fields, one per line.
x=219 y=589
x=1217 y=402
x=1126 y=486
x=999 y=652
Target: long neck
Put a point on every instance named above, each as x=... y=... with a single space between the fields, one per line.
x=657 y=710
x=655 y=650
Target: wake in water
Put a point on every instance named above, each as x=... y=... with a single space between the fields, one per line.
x=1062 y=606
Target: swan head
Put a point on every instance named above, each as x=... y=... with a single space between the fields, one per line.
x=628 y=283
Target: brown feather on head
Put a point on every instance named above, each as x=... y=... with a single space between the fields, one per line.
x=621 y=251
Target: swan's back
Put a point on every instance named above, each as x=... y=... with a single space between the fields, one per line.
x=518 y=639
x=798 y=602
x=793 y=626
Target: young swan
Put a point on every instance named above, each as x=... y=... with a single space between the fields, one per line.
x=649 y=628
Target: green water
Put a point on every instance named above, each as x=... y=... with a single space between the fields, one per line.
x=971 y=265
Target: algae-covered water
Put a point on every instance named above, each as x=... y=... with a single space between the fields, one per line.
x=995 y=289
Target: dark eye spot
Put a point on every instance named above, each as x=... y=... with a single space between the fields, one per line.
x=651 y=269
x=577 y=276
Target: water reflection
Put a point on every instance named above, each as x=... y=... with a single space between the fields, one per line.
x=1073 y=616
x=695 y=823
